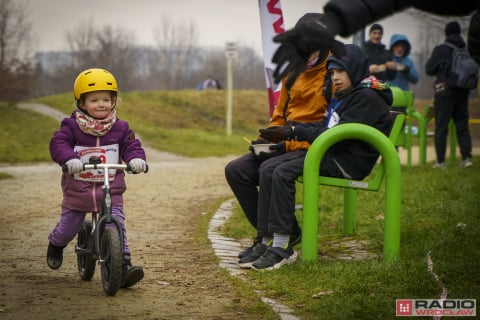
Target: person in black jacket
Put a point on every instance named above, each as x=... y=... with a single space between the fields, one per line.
x=357 y=100
x=345 y=17
x=450 y=102
x=379 y=58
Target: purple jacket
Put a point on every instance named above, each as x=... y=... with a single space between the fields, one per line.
x=84 y=195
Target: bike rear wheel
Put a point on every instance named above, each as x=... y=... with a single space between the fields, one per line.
x=85 y=262
x=111 y=255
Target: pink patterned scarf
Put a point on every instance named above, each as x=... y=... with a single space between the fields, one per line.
x=95 y=127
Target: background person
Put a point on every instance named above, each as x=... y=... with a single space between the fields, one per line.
x=380 y=59
x=406 y=72
x=450 y=102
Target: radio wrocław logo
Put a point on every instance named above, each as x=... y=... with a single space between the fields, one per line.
x=436 y=307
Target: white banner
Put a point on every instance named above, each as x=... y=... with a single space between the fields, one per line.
x=271 y=20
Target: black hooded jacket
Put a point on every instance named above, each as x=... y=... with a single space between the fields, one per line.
x=439 y=64
x=378 y=54
x=362 y=105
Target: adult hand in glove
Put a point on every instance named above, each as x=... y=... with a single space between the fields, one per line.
x=277 y=149
x=137 y=165
x=74 y=166
x=297 y=44
x=277 y=133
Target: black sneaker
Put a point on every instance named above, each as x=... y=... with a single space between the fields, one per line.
x=257 y=251
x=54 y=256
x=130 y=274
x=274 y=258
x=249 y=250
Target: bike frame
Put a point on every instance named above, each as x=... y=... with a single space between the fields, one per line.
x=106 y=216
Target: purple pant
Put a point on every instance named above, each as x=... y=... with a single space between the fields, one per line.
x=71 y=222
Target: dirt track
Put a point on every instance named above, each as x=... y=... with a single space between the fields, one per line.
x=182 y=279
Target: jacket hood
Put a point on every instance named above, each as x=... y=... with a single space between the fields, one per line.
x=355 y=62
x=396 y=38
x=456 y=39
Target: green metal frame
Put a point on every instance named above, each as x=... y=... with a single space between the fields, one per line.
x=389 y=167
x=405 y=99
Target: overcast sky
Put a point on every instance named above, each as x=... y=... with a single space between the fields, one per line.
x=218 y=21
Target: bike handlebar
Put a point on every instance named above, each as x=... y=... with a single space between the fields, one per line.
x=105 y=166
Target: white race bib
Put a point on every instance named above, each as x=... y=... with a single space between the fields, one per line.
x=334 y=120
x=107 y=154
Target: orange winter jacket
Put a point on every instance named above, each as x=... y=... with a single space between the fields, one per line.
x=306 y=103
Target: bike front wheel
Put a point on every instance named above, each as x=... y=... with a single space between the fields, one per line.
x=111 y=254
x=85 y=261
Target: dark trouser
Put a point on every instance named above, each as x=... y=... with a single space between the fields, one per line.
x=266 y=189
x=455 y=108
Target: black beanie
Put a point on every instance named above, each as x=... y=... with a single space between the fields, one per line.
x=376 y=26
x=452 y=28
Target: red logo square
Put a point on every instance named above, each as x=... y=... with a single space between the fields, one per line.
x=404 y=307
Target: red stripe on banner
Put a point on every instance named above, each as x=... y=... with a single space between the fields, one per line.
x=277 y=25
x=271 y=20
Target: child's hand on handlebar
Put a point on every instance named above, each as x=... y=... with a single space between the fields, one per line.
x=74 y=166
x=137 y=165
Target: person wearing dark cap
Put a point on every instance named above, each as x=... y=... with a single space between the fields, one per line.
x=357 y=99
x=303 y=98
x=450 y=102
x=380 y=59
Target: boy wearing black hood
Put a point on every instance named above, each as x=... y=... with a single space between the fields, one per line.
x=358 y=99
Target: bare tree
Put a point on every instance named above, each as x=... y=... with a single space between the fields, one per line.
x=176 y=52
x=16 y=41
x=107 y=47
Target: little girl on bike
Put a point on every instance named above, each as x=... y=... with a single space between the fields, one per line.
x=93 y=129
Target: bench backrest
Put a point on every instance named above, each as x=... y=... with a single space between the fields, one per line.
x=373 y=183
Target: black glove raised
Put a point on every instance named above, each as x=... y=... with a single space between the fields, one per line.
x=297 y=44
x=277 y=133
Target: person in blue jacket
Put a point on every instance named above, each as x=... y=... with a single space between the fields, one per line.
x=406 y=72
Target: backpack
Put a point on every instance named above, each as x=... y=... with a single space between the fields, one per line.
x=463 y=68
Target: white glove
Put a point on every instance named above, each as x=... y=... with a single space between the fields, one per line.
x=74 y=166
x=137 y=165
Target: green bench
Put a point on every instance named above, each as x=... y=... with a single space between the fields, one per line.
x=389 y=167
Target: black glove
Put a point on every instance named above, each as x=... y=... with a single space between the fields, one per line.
x=277 y=149
x=297 y=44
x=277 y=133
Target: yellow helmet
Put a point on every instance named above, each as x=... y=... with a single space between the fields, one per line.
x=94 y=80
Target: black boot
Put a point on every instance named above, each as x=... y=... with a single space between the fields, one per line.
x=54 y=256
x=130 y=274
